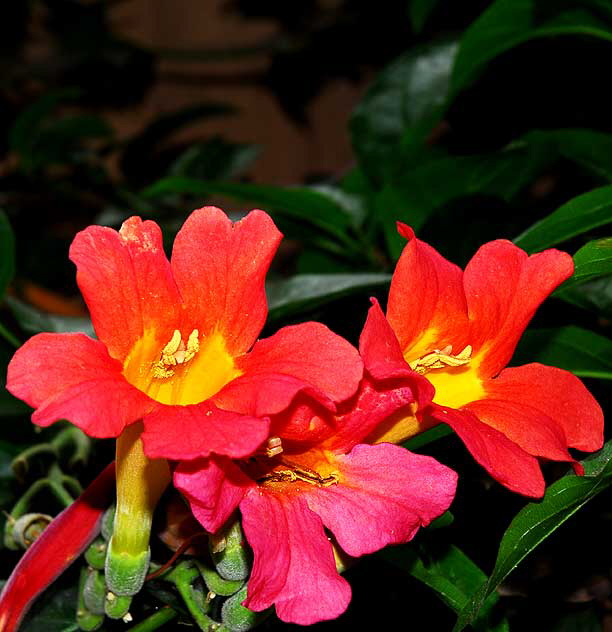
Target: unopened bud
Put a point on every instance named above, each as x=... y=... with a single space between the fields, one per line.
x=94 y=592
x=95 y=554
x=28 y=527
x=230 y=554
x=216 y=584
x=116 y=606
x=236 y=617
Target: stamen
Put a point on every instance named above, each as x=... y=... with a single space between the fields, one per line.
x=175 y=353
x=300 y=473
x=439 y=359
x=274 y=446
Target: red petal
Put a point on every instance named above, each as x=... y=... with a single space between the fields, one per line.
x=427 y=308
x=214 y=489
x=71 y=376
x=503 y=459
x=504 y=287
x=543 y=409
x=306 y=357
x=191 y=432
x=293 y=565
x=127 y=283
x=64 y=539
x=220 y=269
x=386 y=493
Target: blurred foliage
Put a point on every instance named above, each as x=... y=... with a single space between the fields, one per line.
x=484 y=119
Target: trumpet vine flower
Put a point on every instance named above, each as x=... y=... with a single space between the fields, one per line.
x=459 y=329
x=367 y=496
x=177 y=371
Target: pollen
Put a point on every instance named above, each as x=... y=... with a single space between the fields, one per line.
x=440 y=359
x=296 y=473
x=175 y=353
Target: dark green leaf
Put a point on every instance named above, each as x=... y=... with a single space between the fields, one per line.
x=404 y=101
x=449 y=572
x=538 y=520
x=55 y=610
x=579 y=215
x=307 y=291
x=508 y=23
x=433 y=434
x=35 y=321
x=7 y=253
x=578 y=350
x=306 y=205
x=592 y=261
x=595 y=295
x=420 y=10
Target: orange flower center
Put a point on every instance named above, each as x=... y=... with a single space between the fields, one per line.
x=186 y=370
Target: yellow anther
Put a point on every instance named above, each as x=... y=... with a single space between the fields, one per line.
x=274 y=446
x=439 y=359
x=174 y=353
x=300 y=473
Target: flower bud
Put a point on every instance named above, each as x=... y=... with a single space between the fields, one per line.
x=94 y=592
x=236 y=617
x=229 y=553
x=27 y=528
x=95 y=554
x=117 y=606
x=216 y=584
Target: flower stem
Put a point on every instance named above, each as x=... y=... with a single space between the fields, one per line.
x=140 y=483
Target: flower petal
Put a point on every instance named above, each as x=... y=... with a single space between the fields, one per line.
x=505 y=461
x=427 y=308
x=127 y=283
x=504 y=287
x=293 y=565
x=214 y=488
x=220 y=269
x=70 y=376
x=386 y=493
x=191 y=432
x=543 y=409
x=306 y=357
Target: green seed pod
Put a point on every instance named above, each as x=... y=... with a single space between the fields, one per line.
x=216 y=584
x=236 y=617
x=230 y=554
x=95 y=554
x=116 y=606
x=94 y=592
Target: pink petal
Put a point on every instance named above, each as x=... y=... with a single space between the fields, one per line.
x=127 y=283
x=220 y=269
x=190 y=432
x=214 y=488
x=504 y=287
x=70 y=376
x=505 y=461
x=293 y=566
x=385 y=495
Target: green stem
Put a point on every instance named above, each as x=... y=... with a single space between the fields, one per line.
x=155 y=621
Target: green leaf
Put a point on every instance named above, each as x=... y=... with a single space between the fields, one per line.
x=299 y=203
x=508 y=23
x=420 y=10
x=7 y=253
x=55 y=609
x=579 y=215
x=583 y=352
x=35 y=321
x=538 y=520
x=401 y=107
x=450 y=573
x=595 y=295
x=307 y=291
x=592 y=261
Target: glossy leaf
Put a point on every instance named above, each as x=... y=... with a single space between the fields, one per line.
x=7 y=253
x=537 y=521
x=579 y=215
x=508 y=23
x=583 y=352
x=450 y=573
x=592 y=261
x=595 y=296
x=401 y=106
x=308 y=291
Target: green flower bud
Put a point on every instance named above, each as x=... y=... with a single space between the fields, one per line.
x=95 y=554
x=117 y=607
x=230 y=554
x=216 y=584
x=94 y=592
x=236 y=617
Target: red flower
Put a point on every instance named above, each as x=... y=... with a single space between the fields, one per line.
x=177 y=341
x=460 y=329
x=368 y=496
